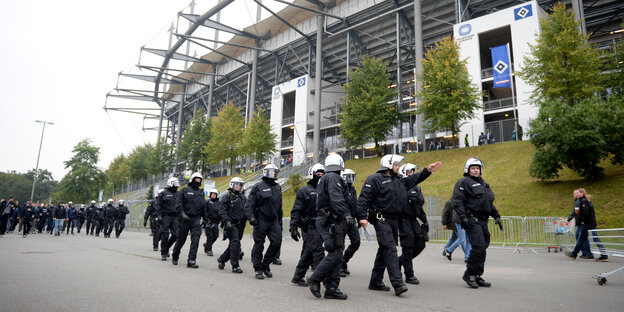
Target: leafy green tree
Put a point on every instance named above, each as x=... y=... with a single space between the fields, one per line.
x=258 y=140
x=139 y=162
x=227 y=135
x=562 y=65
x=295 y=182
x=162 y=158
x=84 y=179
x=15 y=184
x=448 y=96
x=195 y=138
x=367 y=114
x=45 y=184
x=117 y=171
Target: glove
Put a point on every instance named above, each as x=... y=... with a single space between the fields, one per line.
x=569 y=219
x=228 y=225
x=425 y=227
x=350 y=220
x=253 y=222
x=158 y=220
x=295 y=234
x=144 y=223
x=465 y=223
x=184 y=217
x=498 y=221
x=280 y=222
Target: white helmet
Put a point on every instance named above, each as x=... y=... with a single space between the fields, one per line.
x=236 y=181
x=270 y=171
x=196 y=175
x=160 y=191
x=349 y=176
x=334 y=162
x=213 y=191
x=121 y=202
x=93 y=202
x=404 y=169
x=82 y=206
x=110 y=200
x=173 y=182
x=389 y=160
x=314 y=169
x=70 y=203
x=473 y=162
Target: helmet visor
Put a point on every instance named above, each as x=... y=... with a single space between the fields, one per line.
x=349 y=178
x=271 y=173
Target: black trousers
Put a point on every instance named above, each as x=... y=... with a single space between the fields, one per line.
x=41 y=225
x=109 y=224
x=328 y=270
x=70 y=224
x=412 y=244
x=354 y=237
x=120 y=225
x=194 y=227
x=4 y=220
x=479 y=238
x=232 y=252
x=155 y=228
x=79 y=224
x=386 y=258
x=212 y=233
x=26 y=225
x=99 y=226
x=168 y=232
x=312 y=251
x=91 y=225
x=264 y=229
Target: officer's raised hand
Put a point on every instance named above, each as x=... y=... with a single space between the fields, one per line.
x=433 y=167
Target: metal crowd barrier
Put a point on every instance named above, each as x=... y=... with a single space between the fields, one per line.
x=608 y=242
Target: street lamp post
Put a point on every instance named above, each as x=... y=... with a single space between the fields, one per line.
x=32 y=192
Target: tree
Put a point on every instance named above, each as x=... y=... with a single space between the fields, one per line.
x=139 y=162
x=227 y=134
x=162 y=159
x=613 y=77
x=195 y=138
x=15 y=184
x=562 y=65
x=118 y=170
x=258 y=140
x=84 y=179
x=45 y=185
x=366 y=114
x=448 y=95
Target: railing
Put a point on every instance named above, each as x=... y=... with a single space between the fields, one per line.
x=499 y=103
x=489 y=72
x=288 y=120
x=287 y=143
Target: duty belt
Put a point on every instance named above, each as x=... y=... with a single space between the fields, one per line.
x=381 y=217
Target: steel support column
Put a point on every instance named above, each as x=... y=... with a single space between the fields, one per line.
x=179 y=133
x=418 y=56
x=317 y=88
x=399 y=74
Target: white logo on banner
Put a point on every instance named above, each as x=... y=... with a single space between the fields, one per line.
x=500 y=67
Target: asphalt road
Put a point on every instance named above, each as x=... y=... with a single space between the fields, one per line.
x=47 y=273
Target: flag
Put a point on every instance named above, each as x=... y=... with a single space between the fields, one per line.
x=501 y=66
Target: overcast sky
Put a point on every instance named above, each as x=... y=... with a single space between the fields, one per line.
x=60 y=58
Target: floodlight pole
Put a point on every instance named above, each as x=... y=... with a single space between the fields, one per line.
x=32 y=191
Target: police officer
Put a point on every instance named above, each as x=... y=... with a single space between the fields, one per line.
x=333 y=218
x=191 y=207
x=413 y=235
x=352 y=232
x=232 y=214
x=109 y=218
x=120 y=217
x=473 y=201
x=50 y=221
x=82 y=215
x=211 y=227
x=264 y=211
x=303 y=215
x=99 y=220
x=167 y=215
x=150 y=214
x=91 y=210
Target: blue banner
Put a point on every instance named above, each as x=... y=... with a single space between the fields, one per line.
x=501 y=67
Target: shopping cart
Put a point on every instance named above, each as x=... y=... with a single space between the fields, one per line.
x=558 y=231
x=609 y=242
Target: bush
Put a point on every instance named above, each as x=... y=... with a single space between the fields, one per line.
x=295 y=182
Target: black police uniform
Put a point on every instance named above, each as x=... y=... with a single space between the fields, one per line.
x=303 y=215
x=91 y=223
x=109 y=219
x=166 y=212
x=413 y=235
x=150 y=214
x=211 y=227
x=384 y=197
x=99 y=221
x=473 y=201
x=352 y=232
x=191 y=207
x=82 y=215
x=232 y=210
x=120 y=219
x=264 y=204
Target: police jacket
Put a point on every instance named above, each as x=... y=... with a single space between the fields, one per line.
x=353 y=201
x=150 y=212
x=166 y=202
x=586 y=215
x=109 y=211
x=99 y=214
x=191 y=200
x=26 y=212
x=91 y=210
x=213 y=209
x=232 y=206
x=265 y=201
x=121 y=212
x=472 y=196
x=415 y=201
x=71 y=213
x=59 y=212
x=304 y=208
x=82 y=214
x=332 y=195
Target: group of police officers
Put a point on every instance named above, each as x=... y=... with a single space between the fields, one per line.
x=326 y=210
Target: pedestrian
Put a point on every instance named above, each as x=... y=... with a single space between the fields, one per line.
x=5 y=208
x=481 y=139
x=585 y=221
x=466 y=143
x=353 y=232
x=80 y=219
x=72 y=213
x=412 y=233
x=191 y=207
x=50 y=221
x=263 y=208
x=60 y=213
x=35 y=218
x=44 y=214
x=488 y=137
x=333 y=218
x=232 y=215
x=26 y=215
x=109 y=218
x=167 y=214
x=473 y=201
x=91 y=223
x=432 y=145
x=100 y=220
x=520 y=132
x=211 y=226
x=120 y=217
x=458 y=237
x=303 y=216
x=150 y=214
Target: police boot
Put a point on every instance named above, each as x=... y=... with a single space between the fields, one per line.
x=299 y=281
x=345 y=269
x=205 y=248
x=221 y=265
x=335 y=293
x=399 y=290
x=315 y=287
x=481 y=282
x=379 y=286
x=470 y=280
x=259 y=275
x=412 y=280
x=237 y=270
x=191 y=264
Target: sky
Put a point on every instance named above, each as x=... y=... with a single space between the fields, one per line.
x=59 y=59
